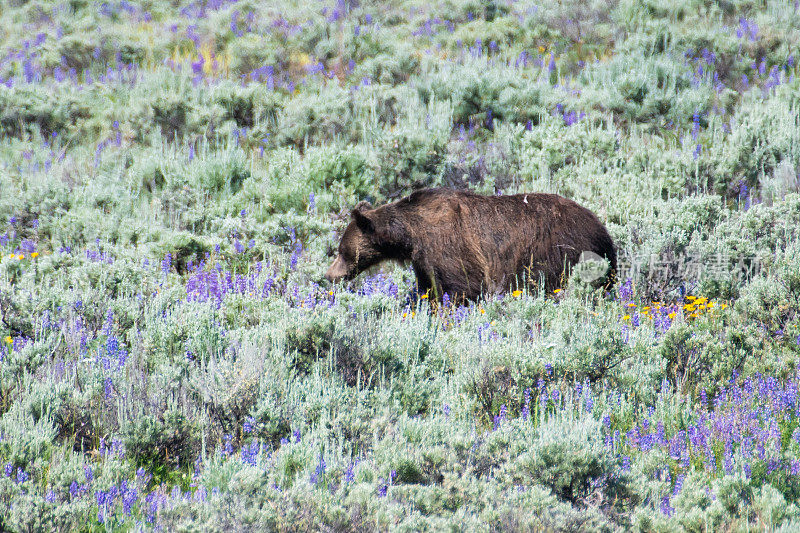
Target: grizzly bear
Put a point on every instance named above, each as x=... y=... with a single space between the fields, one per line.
x=466 y=245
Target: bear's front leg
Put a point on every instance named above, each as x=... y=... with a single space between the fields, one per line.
x=426 y=281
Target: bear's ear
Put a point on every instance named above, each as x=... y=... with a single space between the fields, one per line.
x=364 y=217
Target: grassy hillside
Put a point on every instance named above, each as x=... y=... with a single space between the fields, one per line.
x=173 y=180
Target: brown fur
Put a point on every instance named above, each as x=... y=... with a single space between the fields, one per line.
x=465 y=244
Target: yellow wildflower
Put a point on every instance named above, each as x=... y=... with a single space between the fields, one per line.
x=330 y=293
x=631 y=304
x=483 y=311
x=424 y=296
x=711 y=304
x=691 y=297
x=20 y=257
x=723 y=306
x=672 y=315
x=626 y=317
x=34 y=255
x=557 y=290
x=302 y=59
x=646 y=308
x=9 y=340
x=517 y=293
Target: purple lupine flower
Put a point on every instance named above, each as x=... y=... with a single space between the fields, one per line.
x=626 y=290
x=446 y=300
x=129 y=498
x=500 y=418
x=319 y=471
x=744 y=194
x=666 y=508
x=349 y=476
x=298 y=250
x=228 y=446
x=526 y=409
x=695 y=124
x=267 y=288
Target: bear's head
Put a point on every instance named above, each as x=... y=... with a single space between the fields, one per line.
x=372 y=236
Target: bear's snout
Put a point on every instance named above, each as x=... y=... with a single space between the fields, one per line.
x=337 y=271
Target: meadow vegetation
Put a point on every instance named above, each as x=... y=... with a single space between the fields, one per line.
x=174 y=177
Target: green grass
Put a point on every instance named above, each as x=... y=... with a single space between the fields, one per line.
x=171 y=356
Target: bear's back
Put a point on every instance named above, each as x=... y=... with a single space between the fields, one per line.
x=506 y=235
